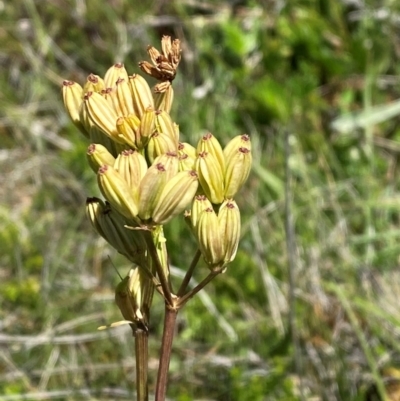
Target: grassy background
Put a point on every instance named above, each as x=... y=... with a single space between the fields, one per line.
x=326 y=74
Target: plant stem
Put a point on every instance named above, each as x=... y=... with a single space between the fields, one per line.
x=189 y=274
x=165 y=354
x=159 y=268
x=182 y=300
x=141 y=354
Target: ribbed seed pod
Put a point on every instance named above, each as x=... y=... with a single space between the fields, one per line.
x=240 y=141
x=102 y=114
x=159 y=144
x=73 y=97
x=126 y=131
x=187 y=148
x=210 y=176
x=147 y=127
x=163 y=96
x=124 y=97
x=199 y=204
x=98 y=155
x=150 y=189
x=98 y=136
x=141 y=94
x=111 y=226
x=238 y=167
x=124 y=301
x=229 y=224
x=165 y=125
x=175 y=196
x=132 y=166
x=209 y=143
x=170 y=162
x=93 y=84
x=129 y=243
x=95 y=207
x=116 y=190
x=114 y=73
x=210 y=239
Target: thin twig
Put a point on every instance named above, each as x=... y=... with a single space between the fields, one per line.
x=189 y=273
x=182 y=301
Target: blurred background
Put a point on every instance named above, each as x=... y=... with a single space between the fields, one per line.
x=313 y=315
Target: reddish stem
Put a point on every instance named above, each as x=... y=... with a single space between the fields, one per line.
x=165 y=356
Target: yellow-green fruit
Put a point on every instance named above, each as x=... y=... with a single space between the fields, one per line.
x=175 y=196
x=117 y=191
x=238 y=167
x=147 y=127
x=124 y=300
x=114 y=73
x=72 y=96
x=93 y=84
x=199 y=204
x=95 y=207
x=210 y=177
x=209 y=143
x=102 y=114
x=132 y=166
x=229 y=224
x=150 y=189
x=239 y=141
x=124 y=97
x=160 y=144
x=126 y=130
x=165 y=125
x=98 y=155
x=141 y=94
x=210 y=239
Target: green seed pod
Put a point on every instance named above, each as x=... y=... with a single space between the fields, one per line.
x=210 y=239
x=160 y=144
x=175 y=196
x=209 y=143
x=188 y=149
x=141 y=94
x=186 y=163
x=150 y=189
x=116 y=190
x=132 y=166
x=73 y=97
x=129 y=243
x=93 y=84
x=95 y=207
x=165 y=125
x=111 y=226
x=124 y=301
x=240 y=141
x=126 y=131
x=97 y=155
x=199 y=204
x=170 y=162
x=147 y=127
x=229 y=224
x=98 y=136
x=237 y=171
x=114 y=73
x=210 y=176
x=124 y=97
x=102 y=114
